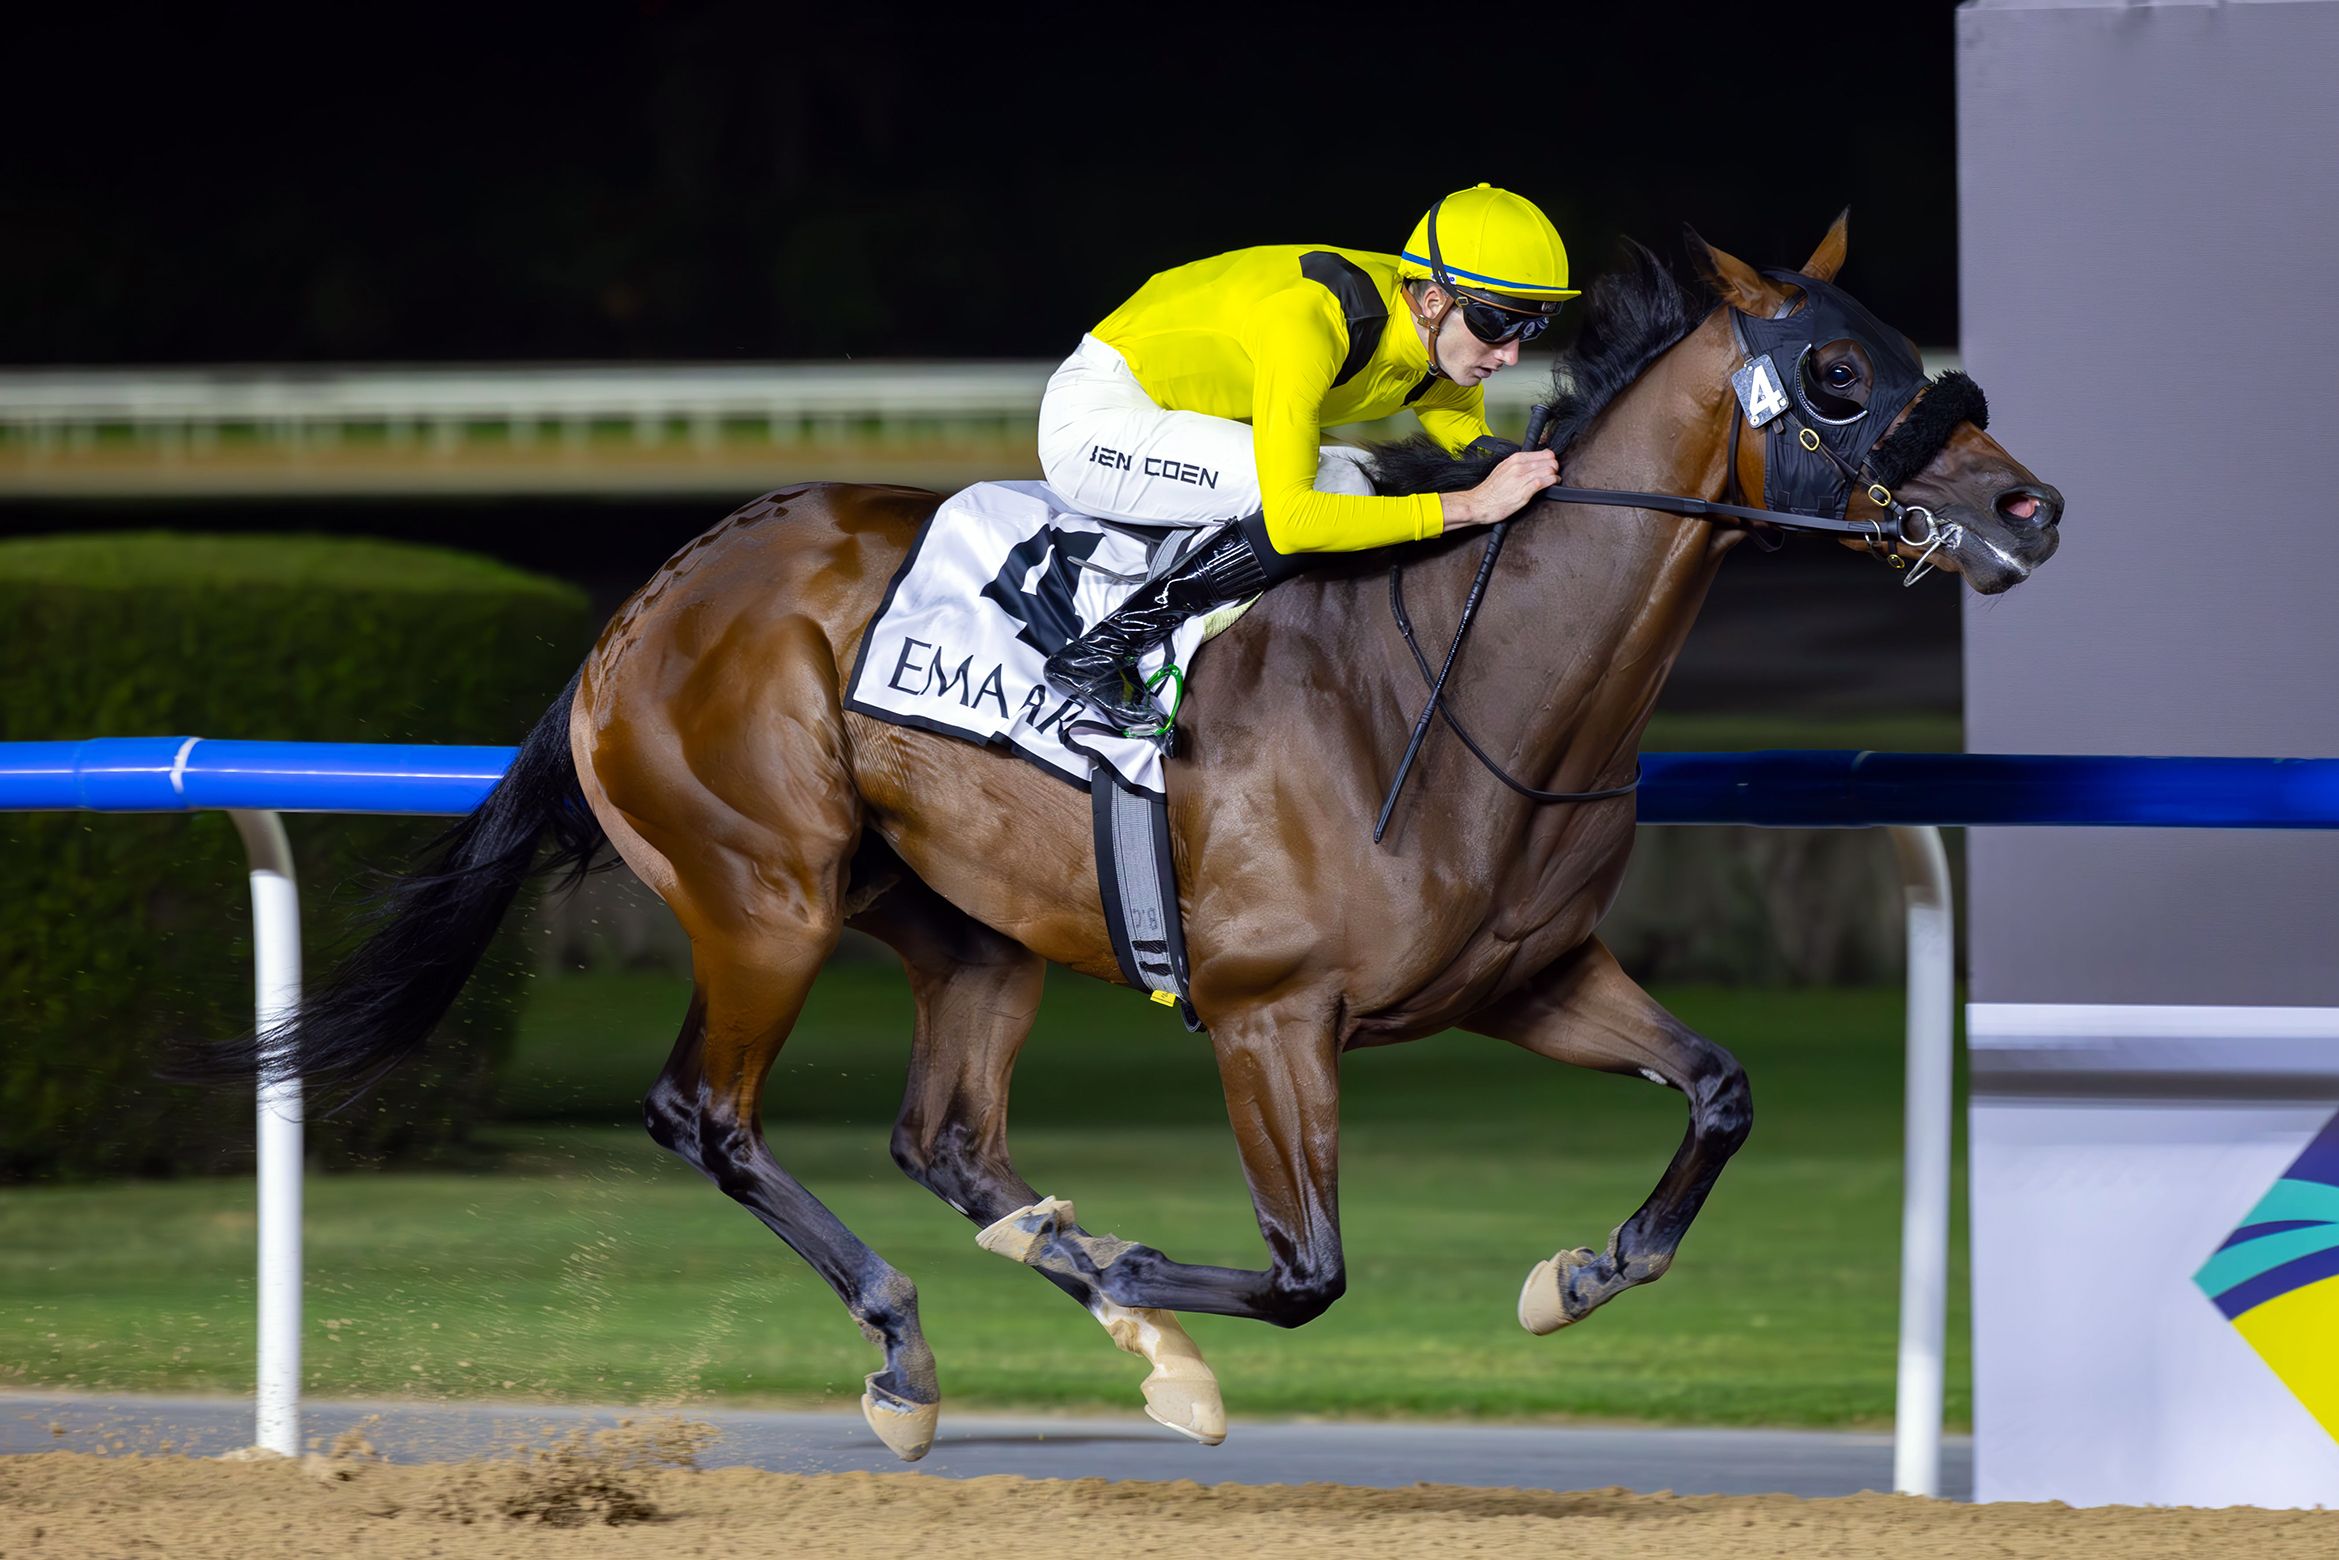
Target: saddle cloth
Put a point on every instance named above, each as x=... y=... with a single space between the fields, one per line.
x=1000 y=578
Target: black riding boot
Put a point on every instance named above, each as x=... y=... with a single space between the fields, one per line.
x=1100 y=667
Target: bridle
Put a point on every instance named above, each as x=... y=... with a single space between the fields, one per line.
x=1813 y=460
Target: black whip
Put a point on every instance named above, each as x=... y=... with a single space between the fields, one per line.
x=1536 y=421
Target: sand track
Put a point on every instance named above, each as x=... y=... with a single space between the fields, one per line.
x=636 y=1492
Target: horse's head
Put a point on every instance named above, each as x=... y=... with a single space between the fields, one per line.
x=1853 y=427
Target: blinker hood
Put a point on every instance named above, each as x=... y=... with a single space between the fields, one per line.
x=1799 y=478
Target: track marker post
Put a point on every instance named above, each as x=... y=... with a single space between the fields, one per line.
x=276 y=982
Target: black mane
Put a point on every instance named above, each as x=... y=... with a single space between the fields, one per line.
x=1636 y=312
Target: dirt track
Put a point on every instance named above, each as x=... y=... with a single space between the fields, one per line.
x=635 y=1492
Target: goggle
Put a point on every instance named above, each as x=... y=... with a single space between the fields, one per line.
x=1496 y=323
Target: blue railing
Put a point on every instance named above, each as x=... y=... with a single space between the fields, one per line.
x=1911 y=794
x=1785 y=788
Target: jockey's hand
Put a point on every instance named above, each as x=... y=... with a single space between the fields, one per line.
x=1505 y=492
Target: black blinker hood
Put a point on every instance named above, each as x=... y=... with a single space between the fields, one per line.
x=1798 y=479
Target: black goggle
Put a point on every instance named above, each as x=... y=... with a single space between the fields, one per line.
x=1496 y=324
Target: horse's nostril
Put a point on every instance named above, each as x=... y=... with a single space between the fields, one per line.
x=2029 y=506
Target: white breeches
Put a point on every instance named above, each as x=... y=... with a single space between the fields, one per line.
x=1109 y=451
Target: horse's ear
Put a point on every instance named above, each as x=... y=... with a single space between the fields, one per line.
x=1828 y=258
x=1732 y=279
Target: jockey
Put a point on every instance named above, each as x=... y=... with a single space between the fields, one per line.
x=1203 y=399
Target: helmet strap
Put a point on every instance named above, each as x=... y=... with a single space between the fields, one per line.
x=1433 y=328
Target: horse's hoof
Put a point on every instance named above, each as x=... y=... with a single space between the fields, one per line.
x=1543 y=1305
x=905 y=1427
x=1191 y=1406
x=1182 y=1393
x=1021 y=1235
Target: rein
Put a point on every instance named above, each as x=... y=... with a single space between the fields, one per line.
x=1537 y=422
x=1954 y=398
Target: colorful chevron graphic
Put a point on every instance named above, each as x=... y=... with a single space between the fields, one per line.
x=2277 y=1278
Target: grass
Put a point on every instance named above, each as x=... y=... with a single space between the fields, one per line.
x=590 y=1266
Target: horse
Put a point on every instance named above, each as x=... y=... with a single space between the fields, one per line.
x=705 y=741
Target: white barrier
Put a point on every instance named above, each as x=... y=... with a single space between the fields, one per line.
x=276 y=980
x=295 y=405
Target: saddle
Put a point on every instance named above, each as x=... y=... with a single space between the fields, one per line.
x=999 y=578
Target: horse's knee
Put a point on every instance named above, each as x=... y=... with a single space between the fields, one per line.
x=1298 y=1297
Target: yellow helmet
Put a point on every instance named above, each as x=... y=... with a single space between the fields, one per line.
x=1485 y=240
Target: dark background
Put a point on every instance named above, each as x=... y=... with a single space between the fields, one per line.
x=674 y=181
x=670 y=181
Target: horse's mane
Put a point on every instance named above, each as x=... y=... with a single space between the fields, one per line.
x=1637 y=311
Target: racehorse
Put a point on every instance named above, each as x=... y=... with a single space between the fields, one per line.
x=705 y=740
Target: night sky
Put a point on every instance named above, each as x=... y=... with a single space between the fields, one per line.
x=666 y=181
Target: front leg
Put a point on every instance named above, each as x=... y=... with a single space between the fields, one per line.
x=1282 y=1080
x=1586 y=1011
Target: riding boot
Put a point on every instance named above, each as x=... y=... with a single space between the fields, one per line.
x=1100 y=667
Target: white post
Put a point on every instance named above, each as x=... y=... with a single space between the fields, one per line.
x=1924 y=1215
x=276 y=960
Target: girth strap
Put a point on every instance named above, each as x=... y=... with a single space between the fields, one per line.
x=1137 y=879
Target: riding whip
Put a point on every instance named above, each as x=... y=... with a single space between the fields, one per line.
x=1536 y=420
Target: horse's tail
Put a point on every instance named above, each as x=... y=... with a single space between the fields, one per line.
x=432 y=926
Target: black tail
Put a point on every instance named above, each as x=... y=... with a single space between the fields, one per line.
x=433 y=925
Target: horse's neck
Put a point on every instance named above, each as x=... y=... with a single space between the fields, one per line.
x=1591 y=604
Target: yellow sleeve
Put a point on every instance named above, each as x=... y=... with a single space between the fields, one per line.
x=1453 y=415
x=1296 y=340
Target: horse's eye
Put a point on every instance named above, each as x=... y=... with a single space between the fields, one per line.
x=1841 y=376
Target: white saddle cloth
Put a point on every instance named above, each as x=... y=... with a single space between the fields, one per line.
x=998 y=580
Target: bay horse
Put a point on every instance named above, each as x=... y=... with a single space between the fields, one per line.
x=705 y=740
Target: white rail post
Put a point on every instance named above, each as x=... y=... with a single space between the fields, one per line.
x=276 y=980
x=1924 y=1215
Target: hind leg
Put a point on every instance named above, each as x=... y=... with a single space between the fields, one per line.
x=977 y=994
x=730 y=796
x=1586 y=1011
x=704 y=1107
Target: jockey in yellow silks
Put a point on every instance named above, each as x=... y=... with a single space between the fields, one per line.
x=1203 y=399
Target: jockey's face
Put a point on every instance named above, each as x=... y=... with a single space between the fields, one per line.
x=1465 y=359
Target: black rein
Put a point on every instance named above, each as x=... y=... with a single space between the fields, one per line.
x=1875 y=532
x=1435 y=706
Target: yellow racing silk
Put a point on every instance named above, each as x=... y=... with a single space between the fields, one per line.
x=1292 y=339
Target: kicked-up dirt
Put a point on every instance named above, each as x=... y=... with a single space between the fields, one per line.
x=636 y=1492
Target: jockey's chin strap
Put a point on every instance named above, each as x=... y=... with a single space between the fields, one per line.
x=1939 y=407
x=1431 y=330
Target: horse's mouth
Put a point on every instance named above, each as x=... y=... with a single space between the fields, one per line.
x=1990 y=567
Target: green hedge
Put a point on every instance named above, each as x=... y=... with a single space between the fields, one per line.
x=122 y=936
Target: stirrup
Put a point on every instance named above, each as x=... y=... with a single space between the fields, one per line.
x=1163 y=723
x=1125 y=716
x=1169 y=673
